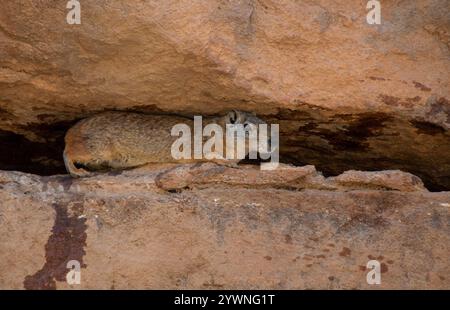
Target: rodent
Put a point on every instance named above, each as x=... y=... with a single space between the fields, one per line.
x=124 y=140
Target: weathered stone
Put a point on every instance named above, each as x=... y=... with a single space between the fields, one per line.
x=128 y=233
x=210 y=56
x=284 y=177
x=198 y=176
x=347 y=95
x=395 y=180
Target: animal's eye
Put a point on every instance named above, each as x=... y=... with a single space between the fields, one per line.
x=233 y=117
x=246 y=125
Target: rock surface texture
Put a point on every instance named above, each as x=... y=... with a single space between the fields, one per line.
x=351 y=99
x=347 y=95
x=289 y=230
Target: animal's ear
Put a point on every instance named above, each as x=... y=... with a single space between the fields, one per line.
x=232 y=116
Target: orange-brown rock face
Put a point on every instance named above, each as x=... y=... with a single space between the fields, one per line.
x=347 y=95
x=349 y=98
x=127 y=231
x=209 y=56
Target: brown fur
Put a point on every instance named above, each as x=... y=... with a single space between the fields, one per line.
x=122 y=140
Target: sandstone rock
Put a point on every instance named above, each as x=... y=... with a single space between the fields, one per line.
x=284 y=177
x=198 y=176
x=396 y=180
x=347 y=95
x=207 y=56
x=138 y=236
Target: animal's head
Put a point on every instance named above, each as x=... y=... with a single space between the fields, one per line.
x=244 y=123
x=248 y=120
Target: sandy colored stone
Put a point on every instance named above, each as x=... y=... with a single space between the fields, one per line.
x=208 y=56
x=217 y=237
x=26 y=224
x=394 y=179
x=347 y=95
x=283 y=177
x=204 y=175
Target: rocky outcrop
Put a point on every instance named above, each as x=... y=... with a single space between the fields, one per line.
x=347 y=95
x=209 y=56
x=132 y=230
x=284 y=177
x=368 y=105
